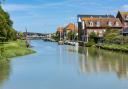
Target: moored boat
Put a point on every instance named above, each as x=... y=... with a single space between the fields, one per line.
x=76 y=44
x=60 y=42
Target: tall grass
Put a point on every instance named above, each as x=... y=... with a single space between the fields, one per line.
x=14 y=49
x=114 y=47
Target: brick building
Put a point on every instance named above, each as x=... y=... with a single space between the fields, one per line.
x=96 y=23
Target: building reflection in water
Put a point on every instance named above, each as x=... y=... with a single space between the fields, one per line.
x=4 y=73
x=93 y=60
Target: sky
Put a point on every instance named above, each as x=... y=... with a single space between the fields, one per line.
x=44 y=16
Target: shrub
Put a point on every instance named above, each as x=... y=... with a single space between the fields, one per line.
x=90 y=43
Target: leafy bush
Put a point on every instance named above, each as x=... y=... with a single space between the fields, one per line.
x=90 y=43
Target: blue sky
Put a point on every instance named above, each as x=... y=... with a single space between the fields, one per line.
x=46 y=15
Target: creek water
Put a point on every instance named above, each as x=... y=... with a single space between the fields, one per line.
x=65 y=67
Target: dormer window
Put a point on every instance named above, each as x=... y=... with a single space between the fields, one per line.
x=117 y=24
x=91 y=23
x=109 y=23
x=98 y=24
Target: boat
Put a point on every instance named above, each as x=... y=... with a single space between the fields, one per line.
x=76 y=44
x=60 y=42
x=67 y=42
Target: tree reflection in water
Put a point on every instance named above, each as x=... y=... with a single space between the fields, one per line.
x=92 y=60
x=4 y=73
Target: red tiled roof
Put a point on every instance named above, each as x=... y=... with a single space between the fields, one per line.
x=71 y=27
x=102 y=21
x=124 y=15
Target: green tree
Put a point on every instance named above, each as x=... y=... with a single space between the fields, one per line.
x=72 y=35
x=93 y=37
x=112 y=36
x=6 y=26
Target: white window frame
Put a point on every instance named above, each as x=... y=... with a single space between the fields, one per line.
x=91 y=24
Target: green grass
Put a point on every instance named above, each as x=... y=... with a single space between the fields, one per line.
x=14 y=49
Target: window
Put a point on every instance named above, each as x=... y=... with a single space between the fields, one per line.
x=109 y=23
x=98 y=24
x=117 y=24
x=127 y=17
x=83 y=25
x=91 y=23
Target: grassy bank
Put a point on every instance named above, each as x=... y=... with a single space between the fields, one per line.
x=114 y=47
x=13 y=49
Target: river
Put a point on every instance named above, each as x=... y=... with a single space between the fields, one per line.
x=65 y=67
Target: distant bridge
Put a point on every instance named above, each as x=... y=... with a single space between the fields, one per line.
x=37 y=36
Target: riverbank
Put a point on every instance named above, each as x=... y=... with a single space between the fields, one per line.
x=114 y=47
x=111 y=47
x=13 y=49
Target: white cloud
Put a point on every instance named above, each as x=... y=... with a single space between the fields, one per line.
x=124 y=7
x=16 y=7
x=23 y=7
x=66 y=3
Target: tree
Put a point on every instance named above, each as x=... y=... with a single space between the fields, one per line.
x=6 y=26
x=72 y=35
x=93 y=37
x=112 y=36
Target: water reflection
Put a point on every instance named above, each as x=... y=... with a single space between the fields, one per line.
x=4 y=73
x=93 y=60
x=66 y=67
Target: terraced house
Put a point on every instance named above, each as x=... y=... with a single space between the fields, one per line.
x=123 y=16
x=96 y=23
x=69 y=29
